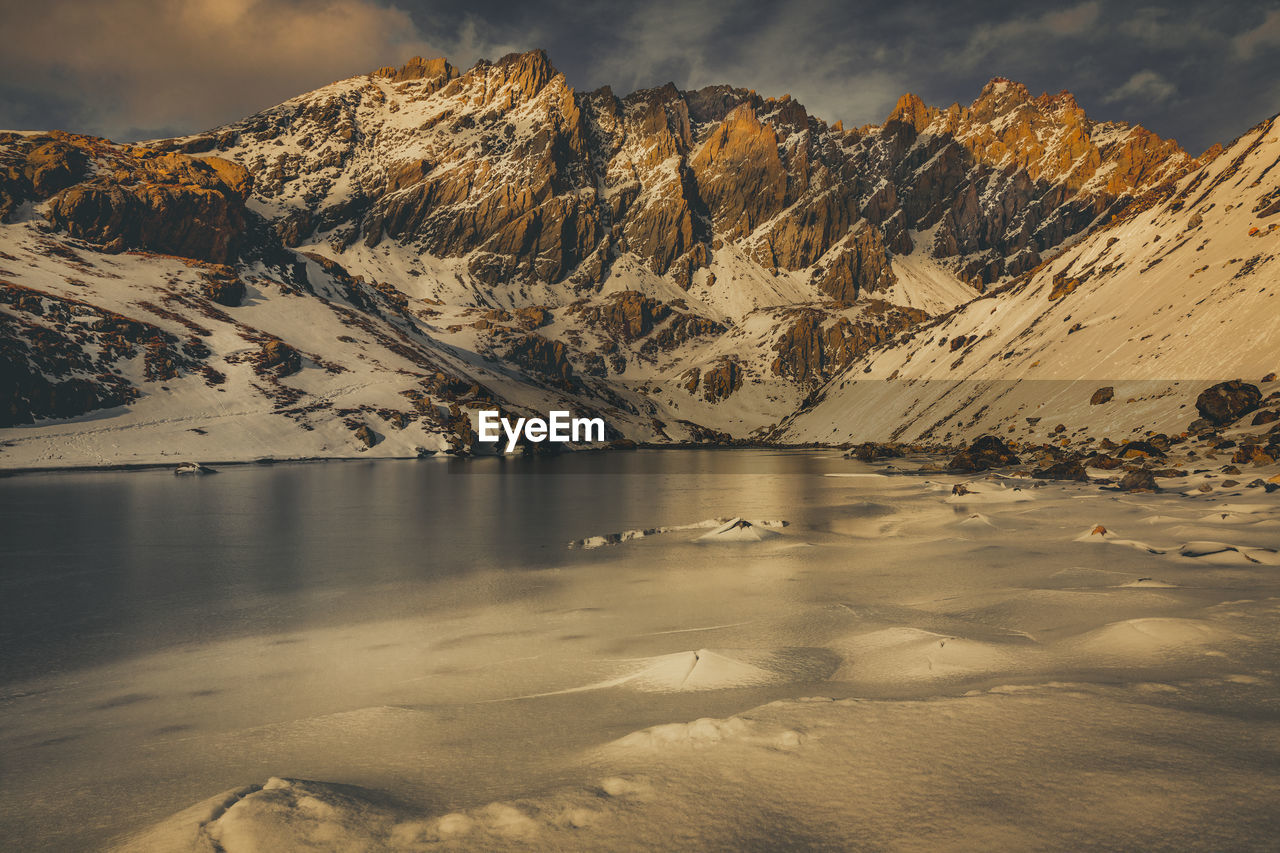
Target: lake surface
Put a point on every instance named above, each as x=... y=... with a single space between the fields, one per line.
x=101 y=565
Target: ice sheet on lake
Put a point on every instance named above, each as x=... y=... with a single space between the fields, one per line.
x=999 y=680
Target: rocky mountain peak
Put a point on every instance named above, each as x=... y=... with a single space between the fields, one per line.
x=507 y=166
x=1064 y=100
x=528 y=71
x=911 y=110
x=418 y=68
x=1001 y=94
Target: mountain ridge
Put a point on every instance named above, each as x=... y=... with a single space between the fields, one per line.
x=691 y=265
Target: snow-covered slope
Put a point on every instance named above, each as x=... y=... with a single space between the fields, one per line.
x=1181 y=295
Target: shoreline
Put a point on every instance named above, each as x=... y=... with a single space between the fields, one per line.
x=265 y=461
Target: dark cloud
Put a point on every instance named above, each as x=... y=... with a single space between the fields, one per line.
x=129 y=68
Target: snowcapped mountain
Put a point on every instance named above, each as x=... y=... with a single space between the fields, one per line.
x=359 y=269
x=1180 y=293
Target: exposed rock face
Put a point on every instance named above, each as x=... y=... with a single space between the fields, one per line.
x=530 y=180
x=366 y=436
x=814 y=346
x=170 y=220
x=681 y=329
x=988 y=451
x=858 y=266
x=721 y=381
x=533 y=317
x=740 y=176
x=1042 y=167
x=1227 y=402
x=1062 y=286
x=130 y=197
x=34 y=168
x=1105 y=462
x=628 y=315
x=1138 y=450
x=436 y=71
x=542 y=356
x=46 y=374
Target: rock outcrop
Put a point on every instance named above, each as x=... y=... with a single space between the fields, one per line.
x=546 y=358
x=129 y=197
x=54 y=366
x=813 y=346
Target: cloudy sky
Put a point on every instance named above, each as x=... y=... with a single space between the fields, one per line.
x=129 y=69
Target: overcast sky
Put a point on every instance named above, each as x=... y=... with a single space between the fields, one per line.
x=1201 y=72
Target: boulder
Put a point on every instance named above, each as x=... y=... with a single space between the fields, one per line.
x=1140 y=480
x=870 y=451
x=988 y=451
x=279 y=356
x=1227 y=402
x=1102 y=395
x=367 y=436
x=224 y=288
x=1070 y=469
x=1138 y=450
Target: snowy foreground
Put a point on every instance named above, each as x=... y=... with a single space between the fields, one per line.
x=1025 y=667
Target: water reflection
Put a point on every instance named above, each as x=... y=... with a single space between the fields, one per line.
x=96 y=566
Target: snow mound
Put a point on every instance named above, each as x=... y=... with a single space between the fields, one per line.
x=703 y=669
x=901 y=654
x=716 y=669
x=741 y=530
x=1248 y=509
x=283 y=814
x=1099 y=533
x=1226 y=552
x=885 y=769
x=702 y=732
x=1147 y=583
x=640 y=533
x=991 y=493
x=1149 y=639
x=708 y=732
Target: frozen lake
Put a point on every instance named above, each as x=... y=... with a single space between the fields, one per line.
x=421 y=630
